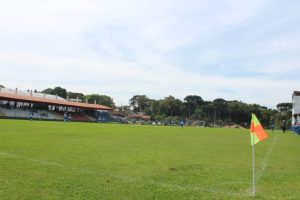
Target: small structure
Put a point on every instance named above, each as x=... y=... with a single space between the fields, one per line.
x=139 y=117
x=296 y=111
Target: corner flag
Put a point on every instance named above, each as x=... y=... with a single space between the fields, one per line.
x=257 y=132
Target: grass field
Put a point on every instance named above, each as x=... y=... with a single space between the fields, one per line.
x=56 y=160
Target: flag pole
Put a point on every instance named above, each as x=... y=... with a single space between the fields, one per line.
x=257 y=134
x=253 y=168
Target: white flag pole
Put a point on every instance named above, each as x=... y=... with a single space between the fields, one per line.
x=253 y=167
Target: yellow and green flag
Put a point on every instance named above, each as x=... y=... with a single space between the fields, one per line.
x=257 y=132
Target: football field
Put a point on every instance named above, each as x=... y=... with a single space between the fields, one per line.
x=56 y=160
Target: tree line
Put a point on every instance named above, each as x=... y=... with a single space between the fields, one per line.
x=218 y=111
x=89 y=98
x=193 y=107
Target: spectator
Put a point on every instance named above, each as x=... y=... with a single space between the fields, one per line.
x=283 y=125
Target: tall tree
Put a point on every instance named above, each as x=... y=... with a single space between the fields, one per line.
x=199 y=114
x=100 y=99
x=285 y=108
x=48 y=91
x=171 y=106
x=62 y=92
x=221 y=107
x=139 y=102
x=191 y=102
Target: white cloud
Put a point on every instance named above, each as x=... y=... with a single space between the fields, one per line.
x=123 y=48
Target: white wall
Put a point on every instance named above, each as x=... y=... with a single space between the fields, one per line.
x=296 y=104
x=296 y=108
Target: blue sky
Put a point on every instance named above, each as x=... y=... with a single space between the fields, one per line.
x=243 y=50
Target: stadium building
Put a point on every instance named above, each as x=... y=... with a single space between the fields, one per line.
x=296 y=111
x=34 y=105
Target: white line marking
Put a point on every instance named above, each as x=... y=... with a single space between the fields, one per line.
x=265 y=161
x=126 y=179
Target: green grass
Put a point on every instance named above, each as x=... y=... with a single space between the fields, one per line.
x=55 y=160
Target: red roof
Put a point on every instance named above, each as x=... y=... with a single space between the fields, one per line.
x=31 y=99
x=141 y=116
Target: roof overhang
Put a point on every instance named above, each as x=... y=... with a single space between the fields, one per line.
x=296 y=93
x=31 y=99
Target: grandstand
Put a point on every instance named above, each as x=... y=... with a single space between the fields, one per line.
x=34 y=105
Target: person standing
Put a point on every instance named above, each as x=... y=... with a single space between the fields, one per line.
x=181 y=123
x=272 y=126
x=30 y=115
x=65 y=117
x=283 y=125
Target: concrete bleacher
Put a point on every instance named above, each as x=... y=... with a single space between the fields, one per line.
x=107 y=117
x=25 y=113
x=1 y=113
x=296 y=129
x=58 y=116
x=8 y=112
x=80 y=117
x=11 y=112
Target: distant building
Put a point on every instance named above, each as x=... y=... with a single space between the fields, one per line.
x=138 y=117
x=296 y=108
